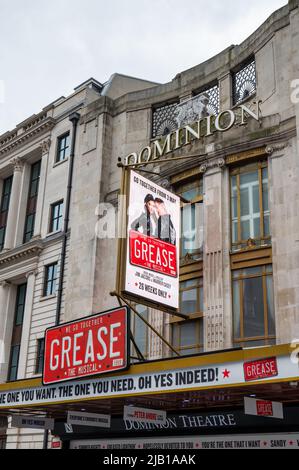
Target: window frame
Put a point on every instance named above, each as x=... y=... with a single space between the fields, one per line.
x=241 y=244
x=29 y=201
x=65 y=149
x=53 y=220
x=47 y=280
x=39 y=357
x=267 y=338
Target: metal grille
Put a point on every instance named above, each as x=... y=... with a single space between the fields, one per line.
x=213 y=96
x=164 y=120
x=244 y=82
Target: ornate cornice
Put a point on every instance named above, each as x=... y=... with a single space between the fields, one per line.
x=28 y=250
x=209 y=165
x=274 y=148
x=28 y=132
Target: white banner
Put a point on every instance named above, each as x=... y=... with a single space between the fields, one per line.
x=153 y=237
x=88 y=419
x=236 y=441
x=144 y=415
x=35 y=422
x=259 y=407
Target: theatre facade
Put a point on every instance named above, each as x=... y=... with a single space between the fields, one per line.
x=222 y=138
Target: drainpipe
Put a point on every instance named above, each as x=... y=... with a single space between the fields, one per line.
x=74 y=118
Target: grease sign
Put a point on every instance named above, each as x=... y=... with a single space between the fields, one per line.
x=93 y=345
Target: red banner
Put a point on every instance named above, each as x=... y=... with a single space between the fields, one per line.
x=90 y=346
x=260 y=369
x=264 y=408
x=152 y=253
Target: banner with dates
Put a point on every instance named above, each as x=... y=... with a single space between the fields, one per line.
x=153 y=235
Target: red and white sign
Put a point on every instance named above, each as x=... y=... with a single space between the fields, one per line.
x=153 y=238
x=93 y=345
x=153 y=254
x=260 y=369
x=258 y=407
x=144 y=415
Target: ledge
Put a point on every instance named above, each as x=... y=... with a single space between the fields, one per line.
x=27 y=250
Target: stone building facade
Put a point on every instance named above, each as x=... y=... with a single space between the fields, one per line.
x=239 y=286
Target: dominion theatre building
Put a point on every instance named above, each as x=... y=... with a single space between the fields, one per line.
x=224 y=137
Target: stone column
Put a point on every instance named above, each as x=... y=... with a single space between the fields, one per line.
x=215 y=257
x=6 y=324
x=26 y=325
x=45 y=147
x=225 y=92
x=12 y=220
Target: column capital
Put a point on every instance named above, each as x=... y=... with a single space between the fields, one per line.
x=34 y=272
x=45 y=146
x=17 y=163
x=4 y=284
x=215 y=163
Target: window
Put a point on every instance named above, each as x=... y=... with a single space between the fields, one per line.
x=63 y=147
x=141 y=330
x=32 y=200
x=2 y=442
x=164 y=119
x=56 y=216
x=187 y=335
x=212 y=92
x=244 y=81
x=17 y=332
x=250 y=215
x=6 y=192
x=191 y=217
x=254 y=320
x=50 y=279
x=40 y=356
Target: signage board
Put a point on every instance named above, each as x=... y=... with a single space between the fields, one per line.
x=259 y=407
x=35 y=422
x=88 y=419
x=144 y=415
x=90 y=346
x=151 y=264
x=233 y=441
x=260 y=369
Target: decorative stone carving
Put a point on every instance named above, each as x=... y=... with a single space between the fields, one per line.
x=17 y=164
x=45 y=146
x=270 y=149
x=215 y=163
x=191 y=110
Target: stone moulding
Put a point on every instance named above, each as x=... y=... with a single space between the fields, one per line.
x=215 y=163
x=19 y=253
x=9 y=144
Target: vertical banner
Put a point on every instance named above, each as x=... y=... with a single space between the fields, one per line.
x=152 y=245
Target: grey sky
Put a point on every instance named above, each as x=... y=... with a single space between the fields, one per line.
x=49 y=47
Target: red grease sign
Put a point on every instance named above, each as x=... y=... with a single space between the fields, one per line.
x=260 y=369
x=90 y=346
x=152 y=253
x=264 y=408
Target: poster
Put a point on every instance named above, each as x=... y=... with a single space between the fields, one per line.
x=152 y=251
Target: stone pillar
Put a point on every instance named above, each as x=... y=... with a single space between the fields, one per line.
x=26 y=325
x=6 y=325
x=215 y=257
x=14 y=204
x=225 y=92
x=45 y=147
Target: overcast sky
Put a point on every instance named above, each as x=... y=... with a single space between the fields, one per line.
x=49 y=47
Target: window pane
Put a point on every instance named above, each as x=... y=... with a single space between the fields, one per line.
x=14 y=361
x=245 y=229
x=270 y=306
x=249 y=178
x=188 y=334
x=256 y=199
x=256 y=227
x=189 y=301
x=244 y=195
x=266 y=225
x=20 y=304
x=253 y=305
x=236 y=309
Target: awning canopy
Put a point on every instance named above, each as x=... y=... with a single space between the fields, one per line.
x=204 y=381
